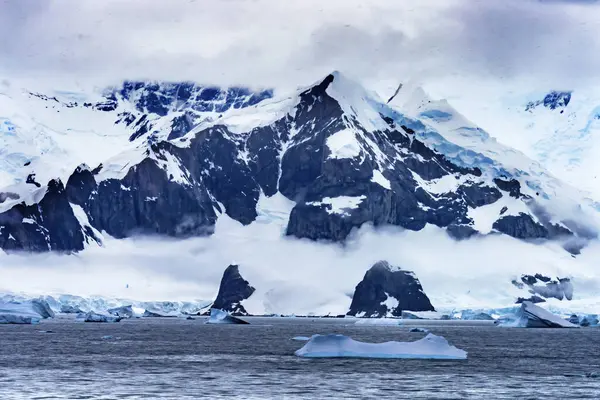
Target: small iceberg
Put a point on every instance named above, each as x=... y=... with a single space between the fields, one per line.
x=533 y=316
x=422 y=330
x=379 y=321
x=155 y=314
x=424 y=315
x=301 y=338
x=69 y=309
x=429 y=347
x=95 y=317
x=123 y=312
x=223 y=317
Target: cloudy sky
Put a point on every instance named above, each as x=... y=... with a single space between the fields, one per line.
x=287 y=43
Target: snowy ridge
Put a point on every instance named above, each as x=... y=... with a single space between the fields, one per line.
x=340 y=154
x=49 y=134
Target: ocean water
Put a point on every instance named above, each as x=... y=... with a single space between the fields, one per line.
x=181 y=359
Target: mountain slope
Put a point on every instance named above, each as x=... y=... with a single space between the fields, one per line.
x=342 y=155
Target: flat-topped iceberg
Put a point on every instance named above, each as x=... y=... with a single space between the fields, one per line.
x=532 y=316
x=156 y=314
x=25 y=312
x=223 y=317
x=429 y=347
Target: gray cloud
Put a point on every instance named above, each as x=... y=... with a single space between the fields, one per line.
x=267 y=42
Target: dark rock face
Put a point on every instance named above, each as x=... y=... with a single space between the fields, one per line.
x=542 y=287
x=233 y=290
x=520 y=226
x=49 y=225
x=553 y=100
x=147 y=201
x=383 y=282
x=162 y=97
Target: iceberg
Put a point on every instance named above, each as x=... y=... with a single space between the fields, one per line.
x=69 y=309
x=95 y=317
x=533 y=316
x=124 y=311
x=424 y=315
x=589 y=320
x=301 y=338
x=17 y=319
x=26 y=312
x=154 y=314
x=223 y=317
x=430 y=347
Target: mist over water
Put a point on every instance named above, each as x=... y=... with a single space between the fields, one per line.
x=294 y=276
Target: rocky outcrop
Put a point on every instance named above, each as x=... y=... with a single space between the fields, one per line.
x=543 y=287
x=387 y=291
x=233 y=290
x=49 y=225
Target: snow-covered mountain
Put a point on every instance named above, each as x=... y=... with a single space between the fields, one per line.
x=181 y=156
x=557 y=128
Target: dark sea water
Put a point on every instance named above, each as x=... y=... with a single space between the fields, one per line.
x=181 y=359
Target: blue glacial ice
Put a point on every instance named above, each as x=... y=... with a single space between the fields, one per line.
x=223 y=317
x=429 y=347
x=533 y=316
x=301 y=338
x=95 y=317
x=25 y=312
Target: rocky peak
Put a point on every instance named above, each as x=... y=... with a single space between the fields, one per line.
x=233 y=290
x=386 y=291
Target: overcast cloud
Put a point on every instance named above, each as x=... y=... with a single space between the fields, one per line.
x=287 y=43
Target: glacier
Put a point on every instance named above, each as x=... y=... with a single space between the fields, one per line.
x=333 y=346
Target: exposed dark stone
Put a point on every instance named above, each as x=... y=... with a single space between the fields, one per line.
x=233 y=290
x=552 y=100
x=479 y=195
x=31 y=179
x=8 y=196
x=511 y=186
x=212 y=159
x=542 y=278
x=181 y=125
x=144 y=201
x=384 y=281
x=520 y=226
x=80 y=186
x=460 y=232
x=48 y=225
x=533 y=299
x=547 y=287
